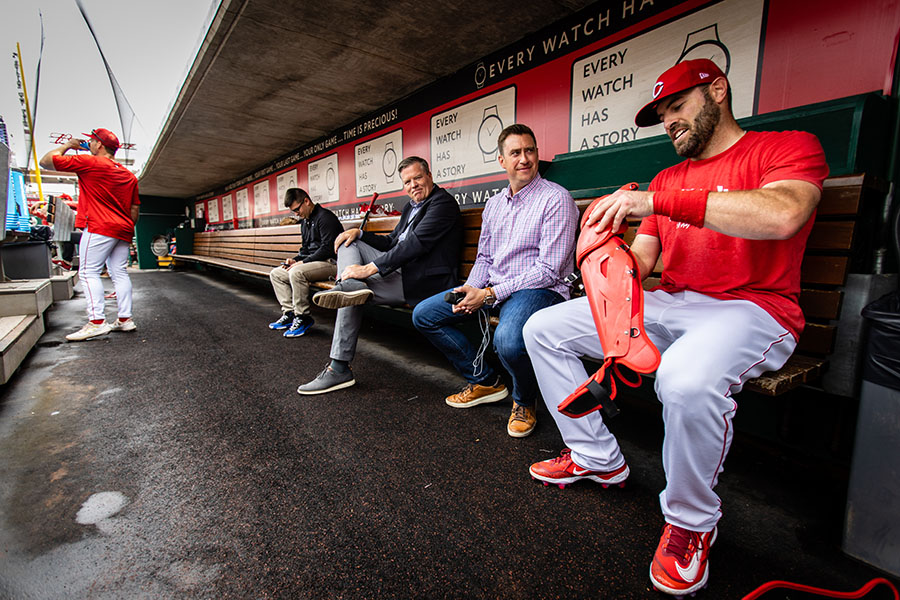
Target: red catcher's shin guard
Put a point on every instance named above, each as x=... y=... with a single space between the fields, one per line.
x=612 y=283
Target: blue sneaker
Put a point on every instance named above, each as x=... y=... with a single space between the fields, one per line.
x=284 y=322
x=299 y=326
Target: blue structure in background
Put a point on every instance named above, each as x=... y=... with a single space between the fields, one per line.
x=16 y=207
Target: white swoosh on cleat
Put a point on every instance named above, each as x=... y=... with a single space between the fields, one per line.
x=690 y=573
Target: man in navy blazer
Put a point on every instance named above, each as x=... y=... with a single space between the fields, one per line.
x=416 y=260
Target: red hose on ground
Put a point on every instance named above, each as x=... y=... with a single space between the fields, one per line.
x=772 y=585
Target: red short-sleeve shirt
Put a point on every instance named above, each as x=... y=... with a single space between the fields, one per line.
x=766 y=272
x=107 y=191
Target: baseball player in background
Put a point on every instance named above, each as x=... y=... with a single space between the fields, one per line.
x=108 y=205
x=731 y=224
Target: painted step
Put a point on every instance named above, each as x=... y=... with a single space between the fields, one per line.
x=18 y=335
x=25 y=297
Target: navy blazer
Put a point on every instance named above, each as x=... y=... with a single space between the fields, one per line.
x=429 y=255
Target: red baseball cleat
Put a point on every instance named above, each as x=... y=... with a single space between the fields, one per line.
x=679 y=566
x=562 y=471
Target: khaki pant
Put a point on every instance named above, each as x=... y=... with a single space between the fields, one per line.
x=292 y=284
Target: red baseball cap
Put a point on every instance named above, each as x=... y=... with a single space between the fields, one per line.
x=682 y=76
x=105 y=137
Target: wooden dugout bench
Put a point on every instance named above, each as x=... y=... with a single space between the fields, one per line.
x=824 y=271
x=841 y=246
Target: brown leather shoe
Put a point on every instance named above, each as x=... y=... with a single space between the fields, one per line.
x=474 y=394
x=522 y=421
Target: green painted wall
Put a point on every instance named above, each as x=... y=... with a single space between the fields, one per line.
x=159 y=216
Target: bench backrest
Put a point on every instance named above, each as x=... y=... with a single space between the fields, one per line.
x=834 y=243
x=267 y=246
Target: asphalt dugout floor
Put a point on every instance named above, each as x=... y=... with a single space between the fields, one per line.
x=178 y=461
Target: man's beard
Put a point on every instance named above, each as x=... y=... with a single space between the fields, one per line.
x=701 y=130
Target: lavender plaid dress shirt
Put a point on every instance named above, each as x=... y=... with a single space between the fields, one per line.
x=527 y=240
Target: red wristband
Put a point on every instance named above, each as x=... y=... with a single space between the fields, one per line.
x=684 y=206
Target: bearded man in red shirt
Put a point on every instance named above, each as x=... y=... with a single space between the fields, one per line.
x=731 y=224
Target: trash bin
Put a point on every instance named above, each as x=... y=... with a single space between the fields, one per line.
x=872 y=518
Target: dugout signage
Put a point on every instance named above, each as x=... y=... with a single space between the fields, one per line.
x=213 y=210
x=376 y=164
x=577 y=83
x=261 y=203
x=242 y=201
x=464 y=138
x=610 y=85
x=569 y=35
x=284 y=182
x=559 y=39
x=323 y=180
x=227 y=208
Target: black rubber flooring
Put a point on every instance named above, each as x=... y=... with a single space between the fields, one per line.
x=179 y=462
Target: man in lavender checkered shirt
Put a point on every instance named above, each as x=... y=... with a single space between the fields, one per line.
x=525 y=250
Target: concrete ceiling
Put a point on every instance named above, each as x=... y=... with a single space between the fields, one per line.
x=272 y=76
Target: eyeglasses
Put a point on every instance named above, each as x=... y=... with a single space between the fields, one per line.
x=296 y=211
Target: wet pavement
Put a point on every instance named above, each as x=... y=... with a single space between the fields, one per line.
x=178 y=461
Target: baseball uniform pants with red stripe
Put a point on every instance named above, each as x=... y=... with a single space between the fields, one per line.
x=94 y=251
x=709 y=347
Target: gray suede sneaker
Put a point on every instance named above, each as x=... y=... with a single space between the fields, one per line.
x=344 y=293
x=327 y=381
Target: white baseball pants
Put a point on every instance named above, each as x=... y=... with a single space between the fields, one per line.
x=709 y=347
x=95 y=250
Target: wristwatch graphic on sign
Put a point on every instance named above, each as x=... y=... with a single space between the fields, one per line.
x=330 y=178
x=705 y=43
x=389 y=162
x=490 y=128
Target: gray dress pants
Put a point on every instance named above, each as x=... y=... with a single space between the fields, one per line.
x=388 y=290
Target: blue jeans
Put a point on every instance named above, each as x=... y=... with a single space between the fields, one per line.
x=436 y=320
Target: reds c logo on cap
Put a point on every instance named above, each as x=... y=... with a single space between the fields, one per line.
x=678 y=78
